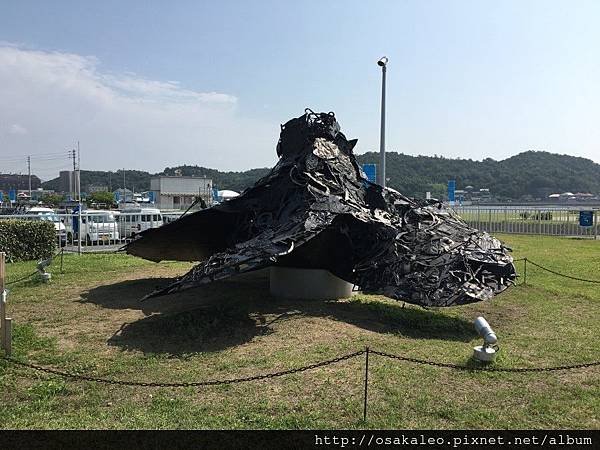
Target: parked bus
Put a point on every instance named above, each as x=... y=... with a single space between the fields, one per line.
x=135 y=220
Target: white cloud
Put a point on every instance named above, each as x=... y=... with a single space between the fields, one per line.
x=52 y=99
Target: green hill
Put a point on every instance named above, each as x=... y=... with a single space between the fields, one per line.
x=528 y=174
x=236 y=181
x=137 y=179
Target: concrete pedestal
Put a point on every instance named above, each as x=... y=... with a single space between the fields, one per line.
x=307 y=284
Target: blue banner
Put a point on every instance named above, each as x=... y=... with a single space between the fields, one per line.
x=370 y=171
x=451 y=189
x=586 y=218
x=12 y=195
x=151 y=197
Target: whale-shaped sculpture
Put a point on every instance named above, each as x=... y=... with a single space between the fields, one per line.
x=316 y=209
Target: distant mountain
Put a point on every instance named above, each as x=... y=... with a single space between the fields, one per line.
x=140 y=181
x=17 y=181
x=137 y=179
x=236 y=181
x=528 y=174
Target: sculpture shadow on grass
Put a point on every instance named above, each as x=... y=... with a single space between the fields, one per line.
x=232 y=312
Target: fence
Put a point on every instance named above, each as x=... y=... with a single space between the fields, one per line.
x=108 y=230
x=98 y=230
x=547 y=221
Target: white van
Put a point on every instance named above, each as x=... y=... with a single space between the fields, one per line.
x=135 y=220
x=48 y=214
x=97 y=227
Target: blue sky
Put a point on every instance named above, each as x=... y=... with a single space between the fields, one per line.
x=150 y=84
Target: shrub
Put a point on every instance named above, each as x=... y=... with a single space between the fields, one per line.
x=24 y=240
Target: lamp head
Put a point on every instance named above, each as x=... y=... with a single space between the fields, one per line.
x=42 y=264
x=383 y=61
x=485 y=331
x=486 y=352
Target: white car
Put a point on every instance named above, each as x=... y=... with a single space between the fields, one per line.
x=48 y=214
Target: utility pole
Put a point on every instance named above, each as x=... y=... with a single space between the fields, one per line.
x=78 y=181
x=29 y=171
x=78 y=173
x=72 y=183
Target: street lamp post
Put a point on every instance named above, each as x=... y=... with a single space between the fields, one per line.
x=383 y=64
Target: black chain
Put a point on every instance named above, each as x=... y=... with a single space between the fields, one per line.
x=486 y=368
x=26 y=277
x=561 y=274
x=77 y=376
x=18 y=280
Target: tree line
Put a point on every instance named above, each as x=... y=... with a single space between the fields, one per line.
x=531 y=174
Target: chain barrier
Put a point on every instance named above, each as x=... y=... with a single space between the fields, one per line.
x=561 y=274
x=514 y=260
x=26 y=277
x=61 y=252
x=486 y=368
x=18 y=280
x=77 y=376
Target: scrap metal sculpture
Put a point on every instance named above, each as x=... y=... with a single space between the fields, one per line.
x=316 y=209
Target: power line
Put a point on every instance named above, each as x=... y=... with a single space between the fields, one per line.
x=37 y=156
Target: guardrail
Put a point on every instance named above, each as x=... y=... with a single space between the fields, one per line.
x=521 y=220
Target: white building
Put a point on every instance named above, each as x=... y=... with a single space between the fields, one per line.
x=173 y=192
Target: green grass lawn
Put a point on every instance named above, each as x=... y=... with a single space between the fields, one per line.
x=90 y=320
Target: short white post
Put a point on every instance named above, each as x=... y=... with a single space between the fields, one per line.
x=5 y=323
x=8 y=336
x=3 y=320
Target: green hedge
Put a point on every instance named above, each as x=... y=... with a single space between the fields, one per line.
x=24 y=240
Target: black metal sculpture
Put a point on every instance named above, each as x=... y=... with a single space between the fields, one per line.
x=316 y=209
